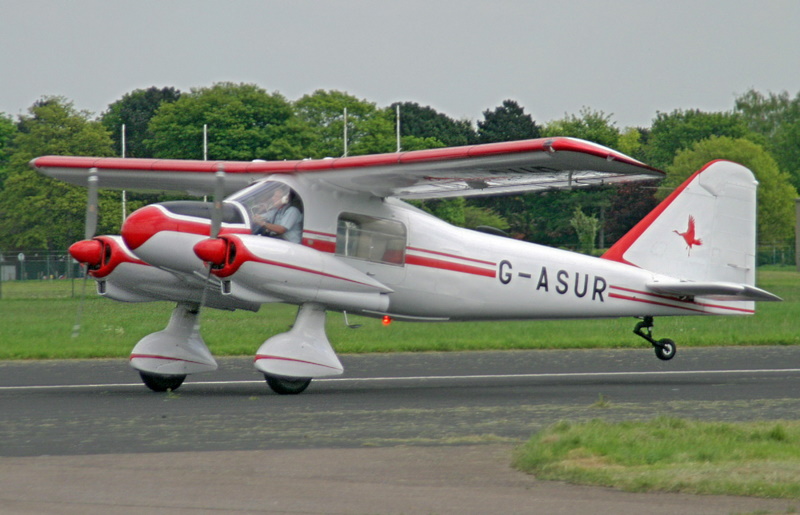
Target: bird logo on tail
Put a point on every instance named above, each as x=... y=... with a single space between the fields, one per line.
x=689 y=235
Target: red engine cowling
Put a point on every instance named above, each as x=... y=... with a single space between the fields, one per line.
x=102 y=255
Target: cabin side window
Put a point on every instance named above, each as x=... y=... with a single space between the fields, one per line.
x=373 y=239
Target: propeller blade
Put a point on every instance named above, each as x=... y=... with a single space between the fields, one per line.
x=92 y=251
x=91 y=204
x=219 y=193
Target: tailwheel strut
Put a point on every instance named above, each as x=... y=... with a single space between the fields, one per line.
x=665 y=348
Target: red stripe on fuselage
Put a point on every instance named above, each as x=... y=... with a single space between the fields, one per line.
x=673 y=299
x=445 y=254
x=448 y=265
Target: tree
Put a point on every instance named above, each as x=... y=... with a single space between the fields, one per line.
x=426 y=122
x=775 y=193
x=507 y=122
x=135 y=110
x=776 y=117
x=680 y=129
x=764 y=114
x=586 y=227
x=7 y=133
x=244 y=123
x=42 y=213
x=591 y=125
x=369 y=130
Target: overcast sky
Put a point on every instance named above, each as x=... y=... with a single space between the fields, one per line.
x=629 y=59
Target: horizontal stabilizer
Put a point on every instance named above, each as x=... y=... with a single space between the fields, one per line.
x=717 y=290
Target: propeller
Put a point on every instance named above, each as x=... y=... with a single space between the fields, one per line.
x=216 y=225
x=219 y=193
x=88 y=251
x=92 y=183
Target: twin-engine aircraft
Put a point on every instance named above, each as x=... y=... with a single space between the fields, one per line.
x=335 y=235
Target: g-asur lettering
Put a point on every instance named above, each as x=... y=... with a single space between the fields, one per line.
x=562 y=282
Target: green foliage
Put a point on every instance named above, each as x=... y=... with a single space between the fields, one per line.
x=507 y=122
x=586 y=226
x=476 y=216
x=591 y=125
x=681 y=129
x=135 y=110
x=451 y=210
x=39 y=212
x=426 y=122
x=244 y=123
x=775 y=193
x=765 y=114
x=670 y=454
x=369 y=130
x=776 y=117
x=7 y=132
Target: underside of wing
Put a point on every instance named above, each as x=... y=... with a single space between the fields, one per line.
x=490 y=169
x=716 y=290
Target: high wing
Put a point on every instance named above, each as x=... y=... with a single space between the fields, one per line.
x=489 y=169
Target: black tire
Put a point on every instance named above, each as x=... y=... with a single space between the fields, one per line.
x=287 y=385
x=665 y=350
x=159 y=383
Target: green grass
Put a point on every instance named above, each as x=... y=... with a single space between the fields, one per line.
x=671 y=455
x=37 y=319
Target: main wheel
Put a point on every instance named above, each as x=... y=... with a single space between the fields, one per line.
x=665 y=350
x=287 y=385
x=159 y=383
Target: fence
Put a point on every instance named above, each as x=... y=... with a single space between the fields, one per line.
x=38 y=264
x=46 y=264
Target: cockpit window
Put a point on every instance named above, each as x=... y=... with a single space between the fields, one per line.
x=374 y=239
x=274 y=210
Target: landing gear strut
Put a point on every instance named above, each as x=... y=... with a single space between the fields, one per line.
x=665 y=348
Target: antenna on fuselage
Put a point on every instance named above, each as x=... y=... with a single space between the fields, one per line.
x=347 y=322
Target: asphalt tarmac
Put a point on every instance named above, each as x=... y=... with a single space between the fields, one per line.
x=398 y=433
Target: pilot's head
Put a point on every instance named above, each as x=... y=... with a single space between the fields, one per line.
x=281 y=196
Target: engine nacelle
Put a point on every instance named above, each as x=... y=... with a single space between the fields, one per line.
x=122 y=276
x=164 y=234
x=261 y=269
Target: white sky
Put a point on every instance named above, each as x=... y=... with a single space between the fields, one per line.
x=629 y=59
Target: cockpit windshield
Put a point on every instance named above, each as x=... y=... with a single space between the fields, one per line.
x=274 y=210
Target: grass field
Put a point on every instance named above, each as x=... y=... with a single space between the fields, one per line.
x=37 y=319
x=670 y=455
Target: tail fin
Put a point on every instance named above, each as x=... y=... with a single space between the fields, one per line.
x=704 y=232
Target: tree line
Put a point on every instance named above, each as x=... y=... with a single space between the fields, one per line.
x=246 y=122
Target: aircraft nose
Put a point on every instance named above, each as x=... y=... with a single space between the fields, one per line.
x=143 y=224
x=87 y=251
x=212 y=251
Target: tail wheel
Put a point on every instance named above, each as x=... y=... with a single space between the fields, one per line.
x=665 y=349
x=159 y=383
x=287 y=385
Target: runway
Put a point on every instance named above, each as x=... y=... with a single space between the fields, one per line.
x=398 y=433
x=99 y=406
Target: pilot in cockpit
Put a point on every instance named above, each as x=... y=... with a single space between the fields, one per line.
x=277 y=217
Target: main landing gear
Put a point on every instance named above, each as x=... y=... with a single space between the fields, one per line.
x=665 y=348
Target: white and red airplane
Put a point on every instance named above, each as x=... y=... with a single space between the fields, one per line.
x=355 y=246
